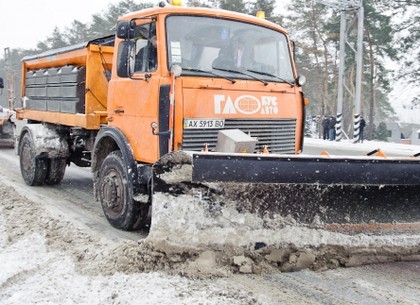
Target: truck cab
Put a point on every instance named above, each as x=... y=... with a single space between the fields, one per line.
x=182 y=74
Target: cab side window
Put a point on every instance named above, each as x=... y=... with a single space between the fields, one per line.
x=146 y=48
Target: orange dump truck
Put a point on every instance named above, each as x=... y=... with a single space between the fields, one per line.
x=181 y=99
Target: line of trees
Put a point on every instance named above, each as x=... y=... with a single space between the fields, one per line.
x=316 y=29
x=391 y=34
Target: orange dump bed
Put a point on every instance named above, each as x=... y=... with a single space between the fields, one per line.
x=68 y=86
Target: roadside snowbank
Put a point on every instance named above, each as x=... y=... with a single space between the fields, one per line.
x=46 y=260
x=361 y=149
x=47 y=257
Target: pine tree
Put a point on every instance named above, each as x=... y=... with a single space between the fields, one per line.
x=405 y=22
x=197 y=3
x=56 y=40
x=315 y=51
x=103 y=24
x=381 y=133
x=267 y=6
x=317 y=34
x=78 y=32
x=233 y=5
x=378 y=37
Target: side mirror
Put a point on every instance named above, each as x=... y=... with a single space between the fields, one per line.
x=126 y=58
x=1 y=83
x=125 y=29
x=176 y=70
x=301 y=80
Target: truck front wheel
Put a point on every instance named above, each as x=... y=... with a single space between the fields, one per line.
x=33 y=169
x=116 y=193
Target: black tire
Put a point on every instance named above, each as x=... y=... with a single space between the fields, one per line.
x=56 y=170
x=116 y=195
x=33 y=169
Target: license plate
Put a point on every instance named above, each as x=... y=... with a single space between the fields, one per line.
x=203 y=123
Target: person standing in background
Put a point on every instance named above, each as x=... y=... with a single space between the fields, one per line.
x=325 y=128
x=361 y=129
x=331 y=125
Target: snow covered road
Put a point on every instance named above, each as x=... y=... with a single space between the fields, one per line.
x=57 y=248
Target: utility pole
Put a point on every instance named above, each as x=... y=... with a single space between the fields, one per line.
x=346 y=6
x=10 y=80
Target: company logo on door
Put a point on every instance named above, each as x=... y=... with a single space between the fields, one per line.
x=245 y=104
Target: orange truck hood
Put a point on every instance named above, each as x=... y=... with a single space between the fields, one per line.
x=219 y=98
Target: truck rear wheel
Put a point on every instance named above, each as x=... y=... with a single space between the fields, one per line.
x=56 y=170
x=33 y=169
x=116 y=194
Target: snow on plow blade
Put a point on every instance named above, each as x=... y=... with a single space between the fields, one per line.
x=247 y=201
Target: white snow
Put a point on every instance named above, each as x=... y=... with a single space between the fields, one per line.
x=347 y=147
x=185 y=216
x=48 y=260
x=33 y=274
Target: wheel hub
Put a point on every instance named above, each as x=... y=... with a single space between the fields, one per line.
x=113 y=196
x=26 y=158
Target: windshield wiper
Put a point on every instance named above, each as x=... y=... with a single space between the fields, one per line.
x=272 y=75
x=209 y=72
x=243 y=73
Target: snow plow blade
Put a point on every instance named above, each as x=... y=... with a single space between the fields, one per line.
x=251 y=168
x=253 y=200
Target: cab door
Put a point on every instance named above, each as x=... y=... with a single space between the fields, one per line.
x=134 y=96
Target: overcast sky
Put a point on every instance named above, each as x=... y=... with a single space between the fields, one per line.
x=24 y=23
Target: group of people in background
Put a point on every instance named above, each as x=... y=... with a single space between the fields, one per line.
x=328 y=128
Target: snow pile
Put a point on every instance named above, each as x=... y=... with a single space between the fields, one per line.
x=361 y=149
x=46 y=257
x=189 y=222
x=47 y=260
x=261 y=248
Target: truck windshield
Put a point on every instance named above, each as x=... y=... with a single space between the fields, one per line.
x=228 y=47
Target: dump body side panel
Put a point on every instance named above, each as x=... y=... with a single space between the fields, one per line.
x=68 y=88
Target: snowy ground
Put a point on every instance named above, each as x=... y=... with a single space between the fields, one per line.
x=347 y=147
x=48 y=256
x=47 y=259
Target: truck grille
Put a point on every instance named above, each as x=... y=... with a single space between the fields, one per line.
x=277 y=135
